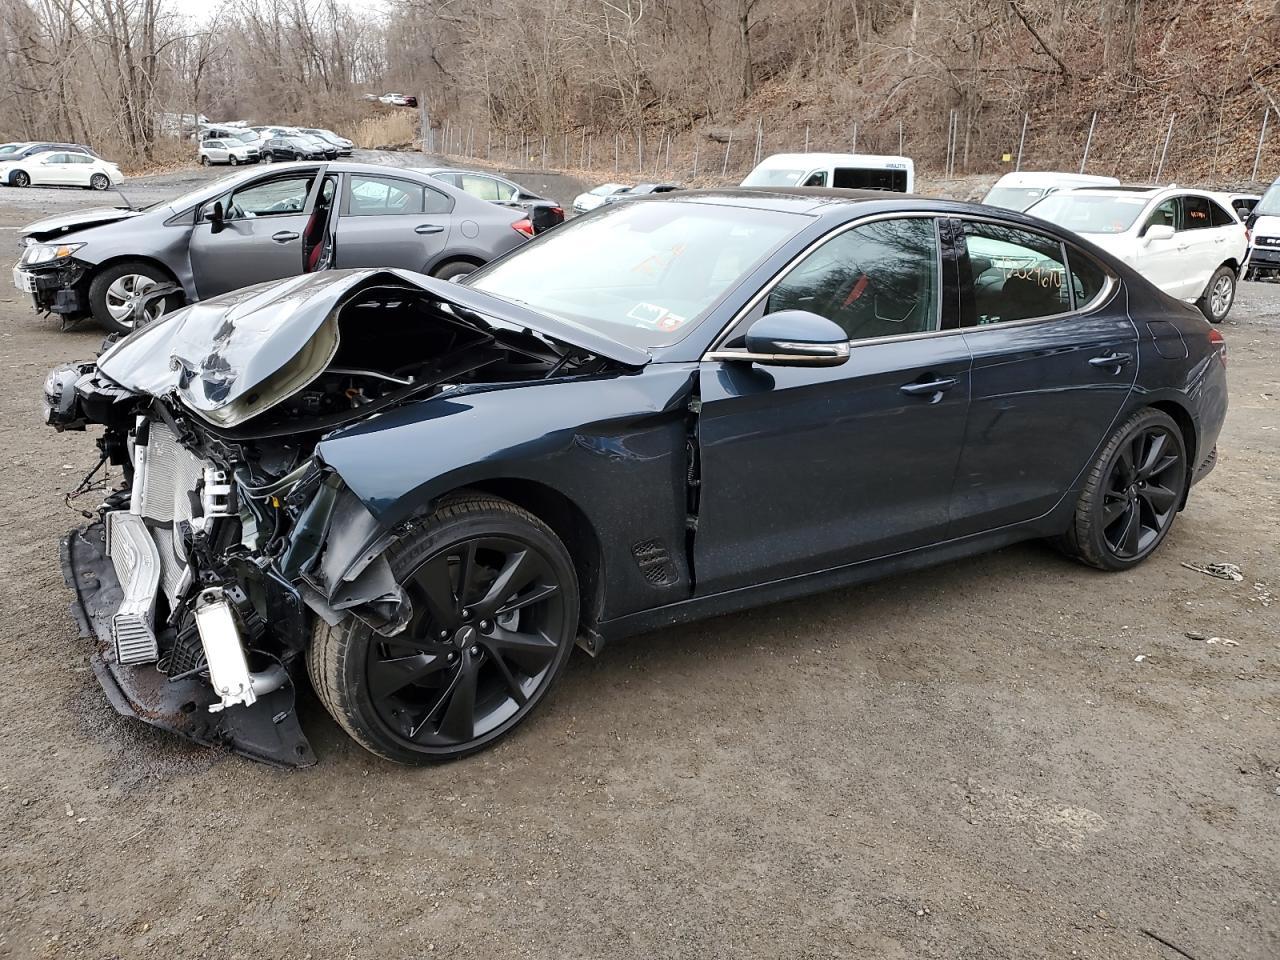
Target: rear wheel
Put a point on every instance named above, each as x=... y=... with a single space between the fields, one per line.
x=1132 y=494
x=494 y=617
x=204 y=161
x=19 y=178
x=114 y=291
x=1218 y=296
x=454 y=268
x=99 y=181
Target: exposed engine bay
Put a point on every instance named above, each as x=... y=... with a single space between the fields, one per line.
x=200 y=574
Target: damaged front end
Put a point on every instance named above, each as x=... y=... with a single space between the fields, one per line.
x=200 y=576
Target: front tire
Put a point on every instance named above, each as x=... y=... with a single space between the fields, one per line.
x=233 y=161
x=1215 y=303
x=19 y=178
x=1131 y=495
x=494 y=617
x=112 y=292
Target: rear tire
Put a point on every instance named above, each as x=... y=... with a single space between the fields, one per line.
x=1215 y=303
x=454 y=268
x=476 y=657
x=111 y=288
x=1131 y=495
x=99 y=181
x=204 y=161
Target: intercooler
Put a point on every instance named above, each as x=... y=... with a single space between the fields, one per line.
x=172 y=488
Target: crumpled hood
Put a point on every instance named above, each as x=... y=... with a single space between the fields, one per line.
x=214 y=353
x=52 y=227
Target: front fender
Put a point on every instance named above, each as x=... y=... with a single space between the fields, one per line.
x=615 y=446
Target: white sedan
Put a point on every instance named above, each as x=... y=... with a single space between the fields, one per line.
x=1186 y=242
x=61 y=170
x=588 y=201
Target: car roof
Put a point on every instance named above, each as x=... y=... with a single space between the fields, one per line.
x=827 y=159
x=1032 y=178
x=1142 y=190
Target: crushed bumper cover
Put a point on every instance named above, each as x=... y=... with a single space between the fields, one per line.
x=267 y=731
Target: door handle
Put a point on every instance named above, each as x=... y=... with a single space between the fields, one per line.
x=285 y=236
x=428 y=228
x=932 y=388
x=1116 y=360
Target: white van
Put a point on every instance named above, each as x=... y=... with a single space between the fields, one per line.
x=860 y=171
x=1017 y=191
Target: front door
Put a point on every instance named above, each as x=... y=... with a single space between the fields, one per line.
x=261 y=235
x=1163 y=260
x=1054 y=358
x=809 y=468
x=389 y=221
x=52 y=168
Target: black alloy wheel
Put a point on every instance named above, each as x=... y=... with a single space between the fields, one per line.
x=1143 y=491
x=494 y=601
x=488 y=618
x=1131 y=495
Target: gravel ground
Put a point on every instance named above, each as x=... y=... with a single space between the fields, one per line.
x=1010 y=756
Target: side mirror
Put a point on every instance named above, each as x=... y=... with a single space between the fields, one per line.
x=1159 y=231
x=216 y=217
x=796 y=338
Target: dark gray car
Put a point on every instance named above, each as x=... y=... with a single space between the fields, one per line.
x=254 y=226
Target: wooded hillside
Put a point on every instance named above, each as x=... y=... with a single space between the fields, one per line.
x=843 y=69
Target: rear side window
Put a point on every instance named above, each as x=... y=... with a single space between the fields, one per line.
x=1017 y=274
x=1196 y=213
x=1087 y=278
x=1219 y=216
x=857 y=178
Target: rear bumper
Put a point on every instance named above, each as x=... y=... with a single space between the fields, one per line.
x=267 y=731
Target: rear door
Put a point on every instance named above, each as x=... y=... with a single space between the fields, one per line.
x=261 y=234
x=390 y=221
x=1206 y=243
x=1054 y=359
x=805 y=469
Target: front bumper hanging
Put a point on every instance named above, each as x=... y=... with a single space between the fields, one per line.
x=266 y=729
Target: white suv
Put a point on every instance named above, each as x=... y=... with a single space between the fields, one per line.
x=1186 y=242
x=227 y=150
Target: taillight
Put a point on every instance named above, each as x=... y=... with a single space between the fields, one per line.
x=558 y=212
x=1217 y=340
x=524 y=226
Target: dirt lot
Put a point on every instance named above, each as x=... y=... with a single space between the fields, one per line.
x=1012 y=756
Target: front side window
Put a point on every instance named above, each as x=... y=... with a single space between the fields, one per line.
x=1164 y=215
x=816 y=179
x=1017 y=274
x=274 y=198
x=877 y=280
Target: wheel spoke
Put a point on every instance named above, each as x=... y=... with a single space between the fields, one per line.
x=533 y=596
x=1154 y=453
x=529 y=649
x=459 y=720
x=437 y=589
x=1124 y=464
x=1158 y=497
x=1113 y=510
x=467 y=572
x=1132 y=536
x=513 y=685
x=393 y=674
x=521 y=568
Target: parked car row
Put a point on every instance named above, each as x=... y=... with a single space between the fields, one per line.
x=392 y=99
x=245 y=144
x=407 y=491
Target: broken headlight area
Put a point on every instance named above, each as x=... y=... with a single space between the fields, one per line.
x=58 y=287
x=202 y=574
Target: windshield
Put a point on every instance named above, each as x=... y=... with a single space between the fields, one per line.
x=773 y=177
x=1090 y=213
x=9 y=148
x=644 y=274
x=1013 y=198
x=1269 y=205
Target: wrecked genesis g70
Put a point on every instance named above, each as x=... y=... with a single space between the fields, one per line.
x=422 y=494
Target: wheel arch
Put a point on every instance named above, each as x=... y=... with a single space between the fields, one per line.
x=12 y=173
x=453 y=256
x=1187 y=426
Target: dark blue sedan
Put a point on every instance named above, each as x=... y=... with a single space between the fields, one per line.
x=422 y=494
